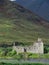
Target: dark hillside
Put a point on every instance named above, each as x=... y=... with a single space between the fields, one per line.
x=19 y=24
x=40 y=7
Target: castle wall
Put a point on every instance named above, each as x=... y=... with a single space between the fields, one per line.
x=37 y=47
x=19 y=49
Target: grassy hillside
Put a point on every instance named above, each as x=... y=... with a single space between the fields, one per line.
x=18 y=24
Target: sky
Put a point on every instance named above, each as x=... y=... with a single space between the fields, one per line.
x=12 y=0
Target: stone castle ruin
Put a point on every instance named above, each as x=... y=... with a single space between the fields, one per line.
x=36 y=47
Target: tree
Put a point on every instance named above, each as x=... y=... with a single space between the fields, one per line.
x=45 y=50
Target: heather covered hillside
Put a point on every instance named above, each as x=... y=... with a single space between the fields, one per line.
x=19 y=24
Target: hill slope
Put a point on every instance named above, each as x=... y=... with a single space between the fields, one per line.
x=19 y=24
x=40 y=7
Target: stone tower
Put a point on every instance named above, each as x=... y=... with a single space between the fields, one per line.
x=40 y=46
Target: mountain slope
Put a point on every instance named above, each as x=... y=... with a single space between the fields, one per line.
x=19 y=24
x=40 y=7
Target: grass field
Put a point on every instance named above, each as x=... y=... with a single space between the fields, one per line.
x=23 y=64
x=22 y=31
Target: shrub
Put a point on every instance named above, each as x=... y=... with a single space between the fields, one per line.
x=9 y=49
x=18 y=57
x=34 y=56
x=11 y=53
x=45 y=50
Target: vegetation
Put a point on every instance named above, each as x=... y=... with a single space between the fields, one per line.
x=18 y=24
x=22 y=64
x=10 y=53
x=46 y=48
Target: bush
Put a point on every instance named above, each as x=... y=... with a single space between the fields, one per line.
x=11 y=53
x=18 y=57
x=2 y=53
x=9 y=49
x=45 y=50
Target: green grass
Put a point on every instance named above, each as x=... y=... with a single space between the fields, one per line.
x=23 y=64
x=22 y=31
